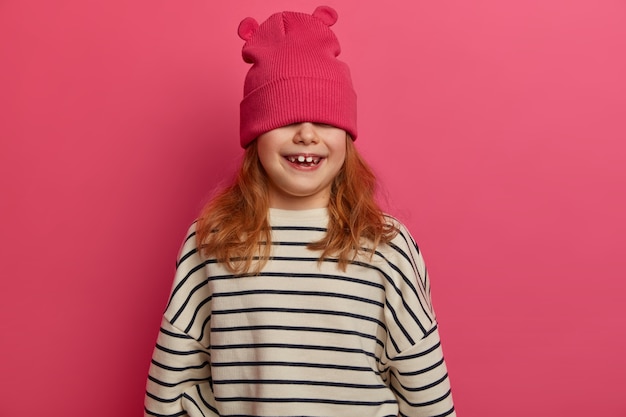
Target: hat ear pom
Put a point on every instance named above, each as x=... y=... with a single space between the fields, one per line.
x=247 y=27
x=326 y=14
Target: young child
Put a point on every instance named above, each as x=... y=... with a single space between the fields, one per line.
x=294 y=294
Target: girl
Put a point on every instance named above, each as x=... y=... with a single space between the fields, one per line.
x=294 y=294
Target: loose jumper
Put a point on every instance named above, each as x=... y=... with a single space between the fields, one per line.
x=294 y=294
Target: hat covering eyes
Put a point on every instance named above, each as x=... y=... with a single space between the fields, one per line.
x=295 y=75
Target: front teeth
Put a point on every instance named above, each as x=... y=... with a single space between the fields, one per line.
x=304 y=159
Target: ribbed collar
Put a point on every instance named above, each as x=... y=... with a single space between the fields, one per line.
x=311 y=217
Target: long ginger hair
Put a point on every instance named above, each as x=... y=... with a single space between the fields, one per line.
x=233 y=227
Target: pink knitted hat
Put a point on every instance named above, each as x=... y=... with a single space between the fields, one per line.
x=295 y=76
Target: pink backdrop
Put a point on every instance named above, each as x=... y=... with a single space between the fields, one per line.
x=497 y=129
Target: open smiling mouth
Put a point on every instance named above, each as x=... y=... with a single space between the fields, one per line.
x=305 y=161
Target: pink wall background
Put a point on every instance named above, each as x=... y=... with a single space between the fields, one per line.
x=497 y=129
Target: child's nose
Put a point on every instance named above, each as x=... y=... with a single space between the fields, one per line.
x=305 y=133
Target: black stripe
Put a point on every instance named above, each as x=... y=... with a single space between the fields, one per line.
x=173 y=384
x=300 y=228
x=299 y=365
x=421 y=371
x=298 y=329
x=408 y=240
x=196 y=311
x=417 y=355
x=194 y=403
x=297 y=382
x=304 y=400
x=183 y=280
x=400 y=326
x=393 y=343
x=204 y=326
x=195 y=248
x=162 y=400
x=283 y=243
x=293 y=346
x=184 y=304
x=400 y=358
x=447 y=413
x=185 y=368
x=178 y=352
x=303 y=293
x=192 y=234
x=298 y=311
x=152 y=413
x=425 y=403
x=422 y=388
x=178 y=335
x=209 y=406
x=301 y=275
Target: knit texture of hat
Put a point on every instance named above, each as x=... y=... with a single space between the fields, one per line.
x=296 y=76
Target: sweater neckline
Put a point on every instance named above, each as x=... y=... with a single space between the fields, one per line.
x=308 y=215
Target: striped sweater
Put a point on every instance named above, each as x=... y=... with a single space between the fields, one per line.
x=302 y=338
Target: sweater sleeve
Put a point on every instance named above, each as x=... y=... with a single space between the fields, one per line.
x=419 y=378
x=179 y=378
x=417 y=370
